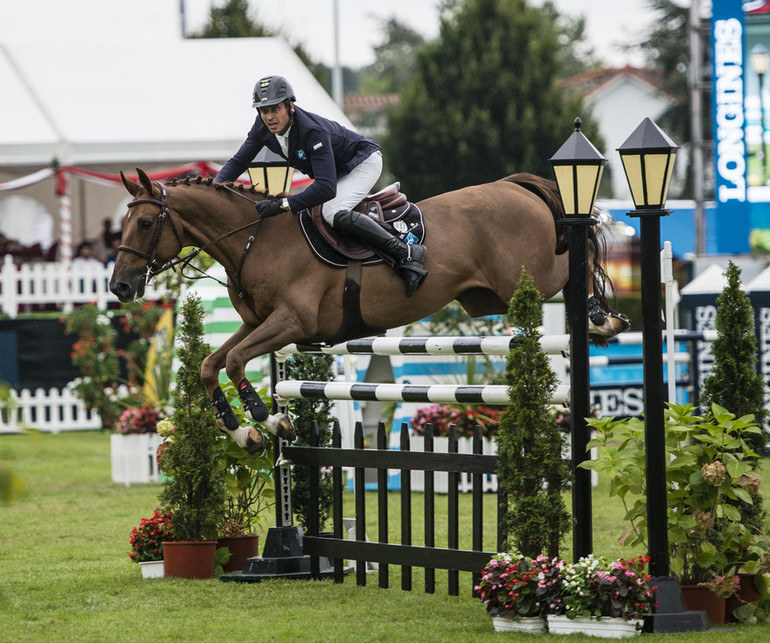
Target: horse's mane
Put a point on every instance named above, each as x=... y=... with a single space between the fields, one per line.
x=209 y=181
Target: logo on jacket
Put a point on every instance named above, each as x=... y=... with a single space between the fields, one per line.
x=301 y=154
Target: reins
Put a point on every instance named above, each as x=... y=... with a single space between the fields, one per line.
x=165 y=214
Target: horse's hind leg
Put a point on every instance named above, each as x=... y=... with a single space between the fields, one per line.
x=603 y=321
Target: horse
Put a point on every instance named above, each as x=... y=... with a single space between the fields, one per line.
x=478 y=240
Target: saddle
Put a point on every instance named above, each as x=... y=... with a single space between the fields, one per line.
x=389 y=207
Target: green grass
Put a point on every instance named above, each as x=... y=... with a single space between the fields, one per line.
x=65 y=575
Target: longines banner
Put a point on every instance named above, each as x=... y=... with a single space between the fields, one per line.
x=740 y=39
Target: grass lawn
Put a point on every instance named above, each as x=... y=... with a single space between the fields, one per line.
x=65 y=575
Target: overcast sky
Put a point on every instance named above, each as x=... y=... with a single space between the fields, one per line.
x=609 y=22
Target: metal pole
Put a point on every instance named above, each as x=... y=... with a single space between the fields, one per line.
x=762 y=124
x=337 y=92
x=580 y=394
x=696 y=135
x=652 y=366
x=670 y=615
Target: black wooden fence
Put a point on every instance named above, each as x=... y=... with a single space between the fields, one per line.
x=405 y=554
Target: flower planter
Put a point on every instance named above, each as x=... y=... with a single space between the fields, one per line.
x=133 y=457
x=700 y=598
x=190 y=559
x=532 y=624
x=241 y=548
x=152 y=569
x=748 y=593
x=610 y=628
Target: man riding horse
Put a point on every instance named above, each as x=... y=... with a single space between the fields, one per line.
x=343 y=164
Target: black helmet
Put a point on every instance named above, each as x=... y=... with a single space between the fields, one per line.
x=272 y=90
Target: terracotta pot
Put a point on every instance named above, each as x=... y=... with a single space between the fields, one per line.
x=189 y=559
x=241 y=548
x=746 y=594
x=700 y=598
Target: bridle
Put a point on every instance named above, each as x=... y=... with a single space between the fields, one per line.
x=165 y=215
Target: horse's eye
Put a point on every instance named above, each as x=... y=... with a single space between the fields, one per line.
x=144 y=224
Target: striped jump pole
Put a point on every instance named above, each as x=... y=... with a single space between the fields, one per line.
x=438 y=346
x=496 y=395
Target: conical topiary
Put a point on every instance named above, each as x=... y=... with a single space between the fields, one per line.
x=530 y=466
x=195 y=491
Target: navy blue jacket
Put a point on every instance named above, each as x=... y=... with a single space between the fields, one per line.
x=318 y=147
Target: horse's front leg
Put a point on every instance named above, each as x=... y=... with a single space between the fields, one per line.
x=274 y=333
x=248 y=437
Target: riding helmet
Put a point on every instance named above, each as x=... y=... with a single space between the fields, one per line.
x=272 y=90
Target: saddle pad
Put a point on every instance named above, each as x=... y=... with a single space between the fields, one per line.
x=407 y=226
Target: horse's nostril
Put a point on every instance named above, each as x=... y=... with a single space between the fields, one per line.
x=121 y=290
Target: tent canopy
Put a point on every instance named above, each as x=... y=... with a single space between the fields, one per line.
x=171 y=101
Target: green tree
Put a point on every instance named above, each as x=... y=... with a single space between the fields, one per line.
x=304 y=412
x=195 y=492
x=734 y=382
x=530 y=466
x=394 y=59
x=483 y=102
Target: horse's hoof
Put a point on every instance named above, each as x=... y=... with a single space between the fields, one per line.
x=255 y=442
x=280 y=426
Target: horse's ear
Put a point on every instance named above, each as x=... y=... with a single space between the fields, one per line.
x=133 y=188
x=144 y=180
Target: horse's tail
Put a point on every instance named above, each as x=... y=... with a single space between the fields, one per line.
x=548 y=191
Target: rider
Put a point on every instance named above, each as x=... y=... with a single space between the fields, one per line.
x=344 y=164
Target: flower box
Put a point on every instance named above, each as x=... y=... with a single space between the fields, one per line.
x=133 y=457
x=152 y=569
x=606 y=627
x=531 y=624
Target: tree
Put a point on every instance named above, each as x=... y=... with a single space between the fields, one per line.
x=394 y=59
x=530 y=467
x=195 y=491
x=483 y=102
x=734 y=382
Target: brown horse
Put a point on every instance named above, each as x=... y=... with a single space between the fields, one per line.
x=478 y=239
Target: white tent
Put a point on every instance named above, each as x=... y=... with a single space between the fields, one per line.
x=111 y=107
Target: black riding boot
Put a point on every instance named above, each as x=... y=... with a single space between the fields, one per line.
x=408 y=258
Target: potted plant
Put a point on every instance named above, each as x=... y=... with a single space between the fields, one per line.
x=710 y=474
x=147 y=543
x=304 y=413
x=195 y=490
x=509 y=590
x=602 y=597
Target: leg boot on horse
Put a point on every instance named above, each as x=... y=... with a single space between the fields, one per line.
x=408 y=258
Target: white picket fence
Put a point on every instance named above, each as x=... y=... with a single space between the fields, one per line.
x=57 y=284
x=50 y=410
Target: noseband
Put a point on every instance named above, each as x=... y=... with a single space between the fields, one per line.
x=165 y=215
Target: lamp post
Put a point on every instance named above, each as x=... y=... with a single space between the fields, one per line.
x=578 y=166
x=760 y=60
x=273 y=177
x=648 y=161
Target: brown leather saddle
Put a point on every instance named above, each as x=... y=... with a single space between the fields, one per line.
x=389 y=207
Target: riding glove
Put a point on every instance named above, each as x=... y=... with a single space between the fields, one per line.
x=270 y=207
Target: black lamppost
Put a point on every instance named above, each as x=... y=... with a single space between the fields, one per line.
x=648 y=161
x=760 y=60
x=578 y=166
